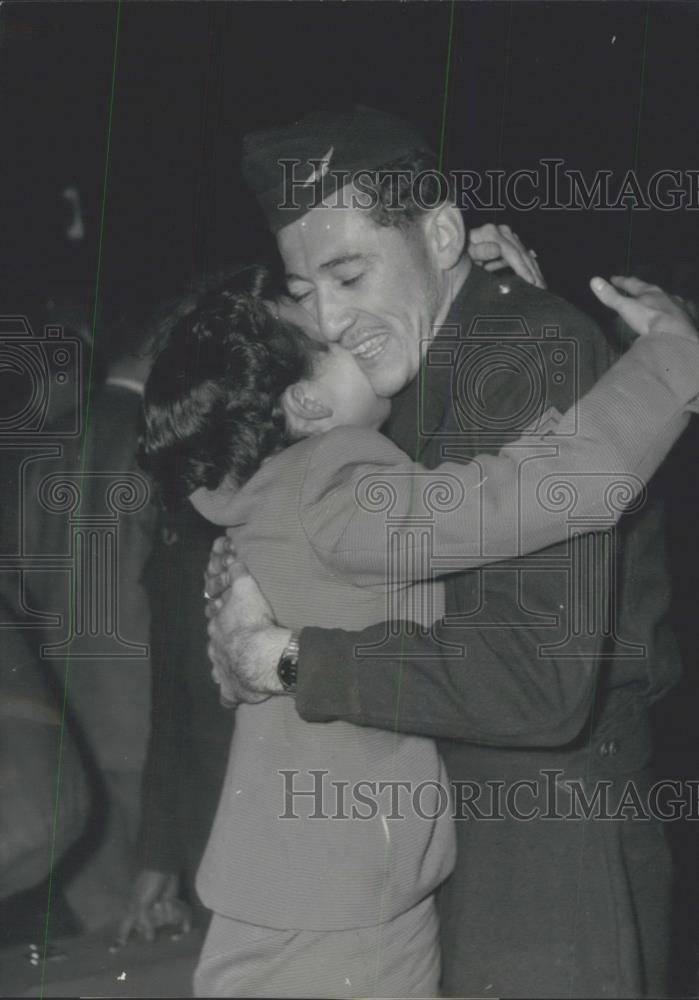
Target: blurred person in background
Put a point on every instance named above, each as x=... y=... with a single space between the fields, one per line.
x=99 y=649
x=38 y=753
x=190 y=735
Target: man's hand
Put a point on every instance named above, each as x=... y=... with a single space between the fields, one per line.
x=245 y=643
x=216 y=579
x=645 y=308
x=154 y=903
x=495 y=247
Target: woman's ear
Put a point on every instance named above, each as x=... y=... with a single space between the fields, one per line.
x=304 y=410
x=446 y=235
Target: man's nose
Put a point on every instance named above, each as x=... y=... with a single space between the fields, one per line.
x=335 y=317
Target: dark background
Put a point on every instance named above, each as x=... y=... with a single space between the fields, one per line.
x=141 y=107
x=601 y=85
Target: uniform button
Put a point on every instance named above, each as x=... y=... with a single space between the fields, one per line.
x=504 y=288
x=604 y=749
x=613 y=748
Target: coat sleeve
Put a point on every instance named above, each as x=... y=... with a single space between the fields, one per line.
x=363 y=500
x=527 y=677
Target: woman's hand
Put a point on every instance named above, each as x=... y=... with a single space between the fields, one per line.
x=645 y=308
x=154 y=903
x=495 y=247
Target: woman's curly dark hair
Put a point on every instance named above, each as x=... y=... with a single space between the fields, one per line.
x=212 y=400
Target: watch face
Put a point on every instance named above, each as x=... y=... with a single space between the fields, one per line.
x=287 y=671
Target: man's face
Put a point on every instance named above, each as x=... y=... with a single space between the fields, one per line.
x=372 y=289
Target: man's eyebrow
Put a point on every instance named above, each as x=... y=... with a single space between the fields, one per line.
x=328 y=265
x=347 y=258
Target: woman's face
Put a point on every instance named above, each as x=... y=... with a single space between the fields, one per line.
x=338 y=381
x=344 y=388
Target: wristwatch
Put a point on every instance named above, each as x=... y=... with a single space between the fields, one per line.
x=287 y=668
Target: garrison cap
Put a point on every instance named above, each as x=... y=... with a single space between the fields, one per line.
x=291 y=169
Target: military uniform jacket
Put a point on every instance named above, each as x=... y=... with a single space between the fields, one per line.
x=546 y=665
